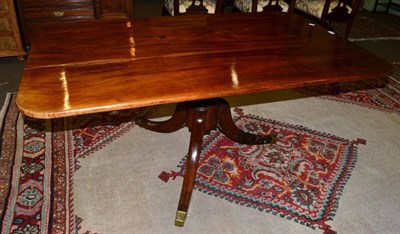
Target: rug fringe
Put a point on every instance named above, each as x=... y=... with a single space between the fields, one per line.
x=360 y=141
x=165 y=176
x=238 y=111
x=328 y=230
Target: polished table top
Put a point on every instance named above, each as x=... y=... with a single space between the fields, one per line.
x=86 y=67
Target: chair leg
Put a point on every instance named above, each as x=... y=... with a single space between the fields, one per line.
x=165 y=12
x=350 y=22
x=220 y=7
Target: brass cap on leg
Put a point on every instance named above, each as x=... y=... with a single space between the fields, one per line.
x=274 y=139
x=180 y=218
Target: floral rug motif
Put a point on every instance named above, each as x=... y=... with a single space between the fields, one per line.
x=37 y=166
x=38 y=160
x=93 y=132
x=378 y=94
x=299 y=178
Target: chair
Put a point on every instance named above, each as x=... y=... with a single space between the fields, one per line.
x=178 y=7
x=322 y=11
x=260 y=5
x=327 y=11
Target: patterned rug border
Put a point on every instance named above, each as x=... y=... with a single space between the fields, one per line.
x=336 y=188
x=55 y=221
x=43 y=168
x=392 y=99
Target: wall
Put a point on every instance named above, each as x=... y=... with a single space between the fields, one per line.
x=369 y=5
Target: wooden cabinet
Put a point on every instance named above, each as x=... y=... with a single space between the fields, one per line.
x=10 y=40
x=34 y=12
x=116 y=9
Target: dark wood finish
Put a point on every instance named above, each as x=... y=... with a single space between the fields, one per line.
x=341 y=13
x=176 y=122
x=10 y=40
x=201 y=117
x=57 y=14
x=116 y=8
x=193 y=57
x=119 y=64
x=218 y=117
x=36 y=12
x=226 y=125
x=39 y=11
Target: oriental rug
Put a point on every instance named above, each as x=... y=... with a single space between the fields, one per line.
x=377 y=94
x=299 y=178
x=40 y=160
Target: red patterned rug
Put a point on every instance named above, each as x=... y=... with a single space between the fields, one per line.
x=37 y=165
x=299 y=178
x=378 y=94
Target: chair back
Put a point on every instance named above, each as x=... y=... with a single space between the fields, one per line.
x=198 y=7
x=341 y=12
x=273 y=5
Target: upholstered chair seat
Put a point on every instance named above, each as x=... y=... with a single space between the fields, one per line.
x=184 y=4
x=316 y=7
x=245 y=5
x=313 y=7
x=323 y=11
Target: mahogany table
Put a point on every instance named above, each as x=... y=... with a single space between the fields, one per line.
x=87 y=67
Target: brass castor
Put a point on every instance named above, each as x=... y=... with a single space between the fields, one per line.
x=180 y=218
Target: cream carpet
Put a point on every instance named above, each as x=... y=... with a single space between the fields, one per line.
x=109 y=182
x=116 y=190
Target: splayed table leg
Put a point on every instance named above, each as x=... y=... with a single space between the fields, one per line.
x=201 y=117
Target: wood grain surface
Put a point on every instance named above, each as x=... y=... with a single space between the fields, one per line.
x=86 y=67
